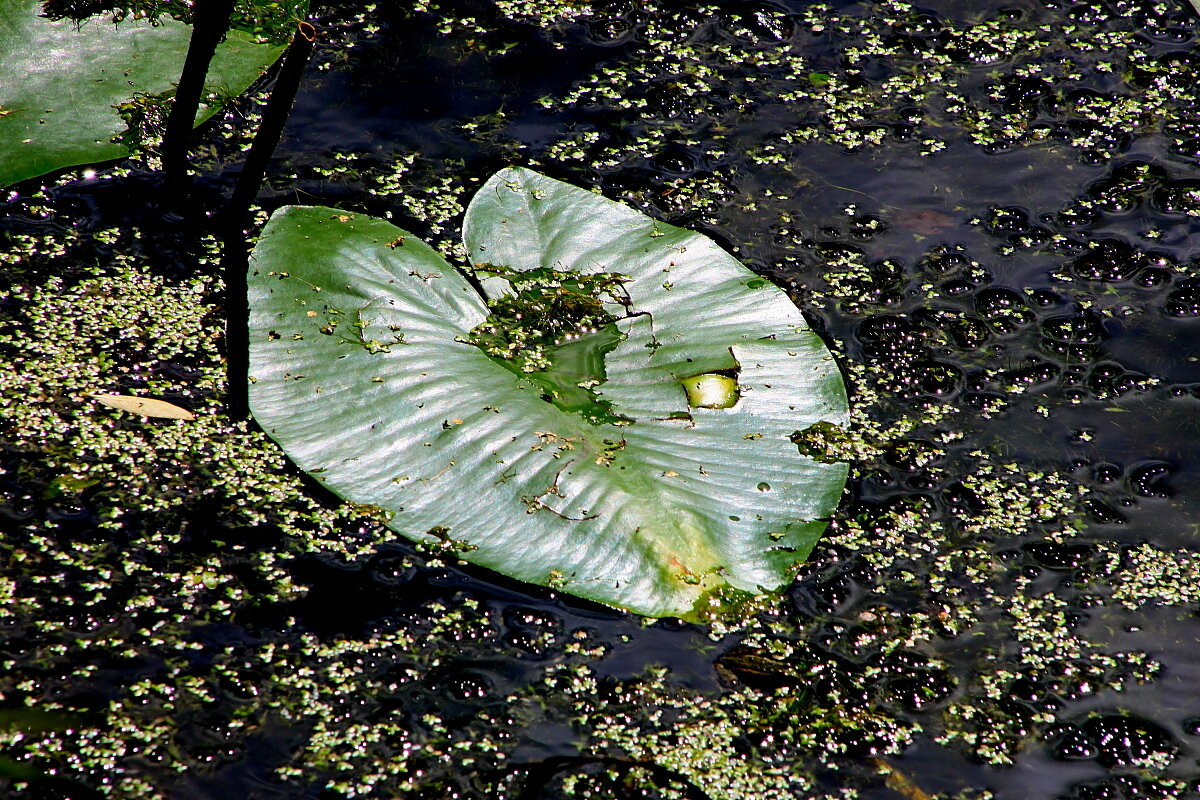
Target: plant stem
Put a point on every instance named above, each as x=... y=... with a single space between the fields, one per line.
x=209 y=25
x=275 y=116
x=236 y=218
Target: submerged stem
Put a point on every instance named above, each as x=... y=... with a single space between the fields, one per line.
x=236 y=219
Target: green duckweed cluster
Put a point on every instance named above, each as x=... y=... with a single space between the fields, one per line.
x=682 y=73
x=548 y=308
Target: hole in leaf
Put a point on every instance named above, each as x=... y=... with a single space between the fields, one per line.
x=555 y=330
x=712 y=389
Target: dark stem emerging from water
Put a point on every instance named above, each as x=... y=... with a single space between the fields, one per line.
x=236 y=218
x=209 y=26
x=275 y=116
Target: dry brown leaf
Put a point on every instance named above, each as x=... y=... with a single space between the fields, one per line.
x=146 y=406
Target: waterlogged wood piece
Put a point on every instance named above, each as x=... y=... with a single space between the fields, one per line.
x=146 y=406
x=595 y=476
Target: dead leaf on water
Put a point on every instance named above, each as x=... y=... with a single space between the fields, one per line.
x=924 y=221
x=146 y=406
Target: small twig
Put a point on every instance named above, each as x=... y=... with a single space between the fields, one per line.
x=209 y=25
x=535 y=503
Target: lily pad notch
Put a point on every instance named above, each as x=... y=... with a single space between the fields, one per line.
x=612 y=419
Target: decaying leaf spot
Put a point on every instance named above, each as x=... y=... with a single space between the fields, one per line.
x=146 y=406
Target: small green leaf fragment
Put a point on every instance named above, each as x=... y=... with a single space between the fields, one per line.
x=711 y=390
x=822 y=442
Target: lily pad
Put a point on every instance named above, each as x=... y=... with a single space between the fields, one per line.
x=368 y=367
x=63 y=81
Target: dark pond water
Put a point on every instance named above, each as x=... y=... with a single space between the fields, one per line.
x=991 y=210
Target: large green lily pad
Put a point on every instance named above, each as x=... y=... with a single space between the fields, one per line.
x=363 y=369
x=62 y=81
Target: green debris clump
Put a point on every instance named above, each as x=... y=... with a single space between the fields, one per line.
x=546 y=308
